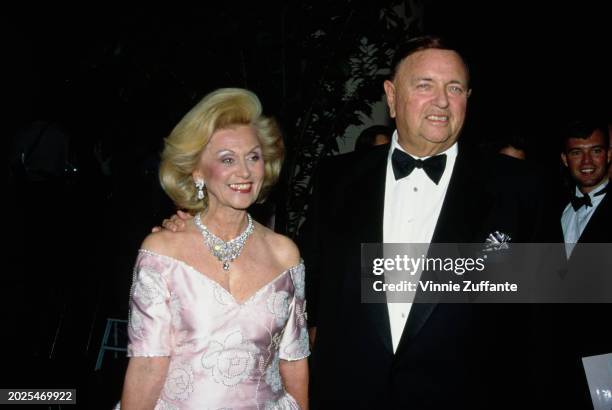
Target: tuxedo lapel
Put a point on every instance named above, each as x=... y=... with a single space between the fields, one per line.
x=368 y=218
x=598 y=228
x=462 y=208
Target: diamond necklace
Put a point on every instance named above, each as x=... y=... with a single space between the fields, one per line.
x=228 y=251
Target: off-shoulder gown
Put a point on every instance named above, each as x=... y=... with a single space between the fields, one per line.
x=224 y=354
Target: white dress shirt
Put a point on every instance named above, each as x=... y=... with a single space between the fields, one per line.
x=574 y=222
x=411 y=211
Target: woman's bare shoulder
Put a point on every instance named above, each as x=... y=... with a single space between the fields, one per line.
x=283 y=248
x=165 y=242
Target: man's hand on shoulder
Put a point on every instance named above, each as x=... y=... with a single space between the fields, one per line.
x=176 y=223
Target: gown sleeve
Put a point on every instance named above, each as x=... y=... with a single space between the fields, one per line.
x=294 y=342
x=149 y=330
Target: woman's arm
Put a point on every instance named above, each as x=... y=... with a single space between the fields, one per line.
x=295 y=379
x=144 y=380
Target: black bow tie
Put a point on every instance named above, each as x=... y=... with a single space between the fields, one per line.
x=579 y=201
x=403 y=164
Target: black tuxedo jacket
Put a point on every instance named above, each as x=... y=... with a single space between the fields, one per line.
x=572 y=331
x=450 y=355
x=599 y=228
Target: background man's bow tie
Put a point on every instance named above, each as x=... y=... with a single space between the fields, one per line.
x=403 y=164
x=579 y=201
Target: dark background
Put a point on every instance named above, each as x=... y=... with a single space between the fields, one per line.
x=534 y=65
x=121 y=78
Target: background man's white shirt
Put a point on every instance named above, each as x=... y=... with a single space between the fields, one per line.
x=574 y=222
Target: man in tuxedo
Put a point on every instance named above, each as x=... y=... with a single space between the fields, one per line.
x=423 y=187
x=577 y=330
x=587 y=155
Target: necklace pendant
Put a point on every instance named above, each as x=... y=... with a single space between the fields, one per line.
x=225 y=252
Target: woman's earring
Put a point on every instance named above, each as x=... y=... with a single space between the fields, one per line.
x=200 y=187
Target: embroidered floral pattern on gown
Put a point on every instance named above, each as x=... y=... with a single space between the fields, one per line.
x=223 y=354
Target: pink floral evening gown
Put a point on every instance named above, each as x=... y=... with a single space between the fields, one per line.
x=223 y=354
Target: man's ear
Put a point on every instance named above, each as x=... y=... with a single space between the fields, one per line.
x=564 y=158
x=390 y=93
x=469 y=92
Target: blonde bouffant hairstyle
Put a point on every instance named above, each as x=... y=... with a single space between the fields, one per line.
x=221 y=109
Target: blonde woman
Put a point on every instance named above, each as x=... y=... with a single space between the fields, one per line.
x=217 y=310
